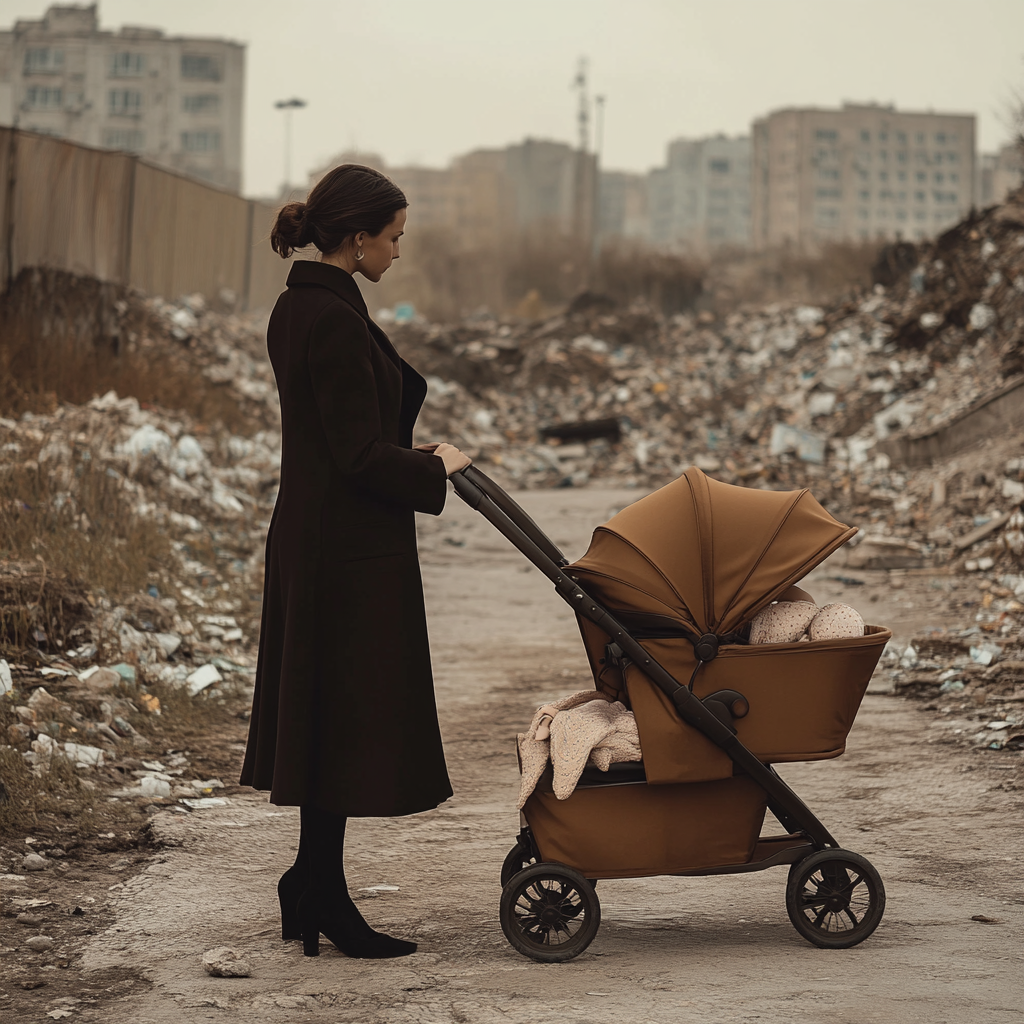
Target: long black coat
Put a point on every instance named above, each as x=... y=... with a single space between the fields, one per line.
x=343 y=716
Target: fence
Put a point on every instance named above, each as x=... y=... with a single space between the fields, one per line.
x=113 y=217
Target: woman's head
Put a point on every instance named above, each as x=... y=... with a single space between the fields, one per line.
x=354 y=216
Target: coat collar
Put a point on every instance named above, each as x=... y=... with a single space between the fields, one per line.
x=307 y=273
x=326 y=275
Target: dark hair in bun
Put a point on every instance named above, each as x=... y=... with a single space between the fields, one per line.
x=346 y=200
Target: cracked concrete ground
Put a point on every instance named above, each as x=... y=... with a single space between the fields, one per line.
x=930 y=815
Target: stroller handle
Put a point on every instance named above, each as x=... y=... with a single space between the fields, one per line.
x=478 y=490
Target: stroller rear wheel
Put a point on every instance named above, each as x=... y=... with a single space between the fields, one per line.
x=517 y=859
x=549 y=912
x=835 y=898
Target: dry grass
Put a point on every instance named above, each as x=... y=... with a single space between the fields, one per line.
x=787 y=275
x=445 y=281
x=66 y=339
x=58 y=528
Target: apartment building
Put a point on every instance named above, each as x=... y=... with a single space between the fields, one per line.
x=999 y=174
x=861 y=172
x=700 y=200
x=622 y=207
x=176 y=101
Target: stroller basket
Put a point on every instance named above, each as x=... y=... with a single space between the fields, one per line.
x=660 y=597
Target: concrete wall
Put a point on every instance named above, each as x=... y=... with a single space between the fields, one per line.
x=118 y=219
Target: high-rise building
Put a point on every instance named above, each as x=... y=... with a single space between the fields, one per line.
x=174 y=100
x=701 y=199
x=861 y=172
x=622 y=207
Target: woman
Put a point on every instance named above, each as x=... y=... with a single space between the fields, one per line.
x=343 y=720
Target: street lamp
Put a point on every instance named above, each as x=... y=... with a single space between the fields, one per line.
x=288 y=106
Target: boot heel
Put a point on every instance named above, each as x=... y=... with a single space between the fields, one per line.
x=311 y=944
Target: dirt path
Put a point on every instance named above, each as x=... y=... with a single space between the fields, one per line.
x=932 y=817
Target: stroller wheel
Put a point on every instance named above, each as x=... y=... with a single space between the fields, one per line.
x=549 y=912
x=518 y=858
x=835 y=898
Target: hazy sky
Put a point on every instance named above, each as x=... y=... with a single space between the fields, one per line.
x=424 y=80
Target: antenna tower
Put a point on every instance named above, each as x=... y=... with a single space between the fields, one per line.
x=583 y=116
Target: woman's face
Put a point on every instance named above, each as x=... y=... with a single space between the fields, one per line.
x=379 y=251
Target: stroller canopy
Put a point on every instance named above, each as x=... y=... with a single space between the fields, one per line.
x=707 y=553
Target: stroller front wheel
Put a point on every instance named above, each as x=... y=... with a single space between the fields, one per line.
x=549 y=912
x=835 y=898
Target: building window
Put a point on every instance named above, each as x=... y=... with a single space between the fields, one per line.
x=42 y=60
x=939 y=177
x=129 y=139
x=43 y=97
x=901 y=197
x=124 y=102
x=901 y=176
x=718 y=166
x=940 y=138
x=863 y=214
x=951 y=158
x=901 y=138
x=199 y=65
x=865 y=196
x=919 y=197
x=937 y=158
x=829 y=173
x=200 y=142
x=954 y=179
x=901 y=156
x=883 y=136
x=901 y=214
x=883 y=155
x=126 y=65
x=827 y=216
x=826 y=135
x=883 y=175
x=829 y=193
x=204 y=103
x=921 y=176
x=882 y=214
x=919 y=138
x=920 y=214
x=885 y=194
x=865 y=136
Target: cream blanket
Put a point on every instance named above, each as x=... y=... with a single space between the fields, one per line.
x=585 y=727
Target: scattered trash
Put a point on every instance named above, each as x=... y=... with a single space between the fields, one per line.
x=203 y=677
x=203 y=802
x=224 y=962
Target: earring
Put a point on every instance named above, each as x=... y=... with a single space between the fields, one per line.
x=359 y=255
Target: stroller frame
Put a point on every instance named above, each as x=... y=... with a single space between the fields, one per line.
x=806 y=839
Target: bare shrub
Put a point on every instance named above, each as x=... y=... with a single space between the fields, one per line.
x=66 y=339
x=53 y=537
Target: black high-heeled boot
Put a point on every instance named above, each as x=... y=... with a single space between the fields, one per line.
x=326 y=908
x=290 y=887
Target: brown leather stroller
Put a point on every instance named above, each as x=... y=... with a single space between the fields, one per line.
x=662 y=596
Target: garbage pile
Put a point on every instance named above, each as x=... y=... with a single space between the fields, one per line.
x=783 y=396
x=973 y=677
x=81 y=683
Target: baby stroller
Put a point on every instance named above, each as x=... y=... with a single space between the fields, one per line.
x=662 y=596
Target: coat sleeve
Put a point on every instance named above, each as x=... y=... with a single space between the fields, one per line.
x=345 y=392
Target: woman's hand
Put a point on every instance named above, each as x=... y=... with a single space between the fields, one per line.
x=431 y=447
x=453 y=459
